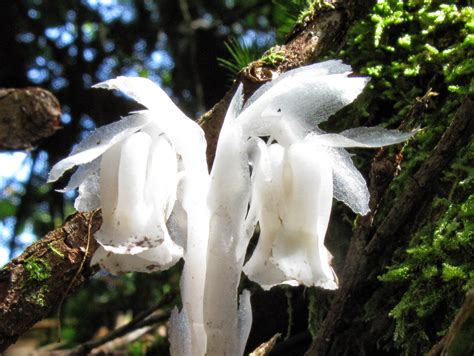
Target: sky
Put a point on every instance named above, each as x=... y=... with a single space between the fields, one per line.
x=15 y=169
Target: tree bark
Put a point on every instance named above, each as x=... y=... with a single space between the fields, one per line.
x=60 y=259
x=27 y=116
x=36 y=283
x=369 y=244
x=459 y=340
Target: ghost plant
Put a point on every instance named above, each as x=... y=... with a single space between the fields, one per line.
x=273 y=166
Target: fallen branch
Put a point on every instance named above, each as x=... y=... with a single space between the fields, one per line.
x=152 y=316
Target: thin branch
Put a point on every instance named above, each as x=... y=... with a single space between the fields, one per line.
x=145 y=318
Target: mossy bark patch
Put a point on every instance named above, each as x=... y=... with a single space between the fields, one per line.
x=35 y=283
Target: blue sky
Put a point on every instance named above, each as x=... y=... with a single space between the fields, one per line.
x=15 y=169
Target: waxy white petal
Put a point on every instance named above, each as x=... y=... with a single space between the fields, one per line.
x=143 y=91
x=304 y=96
x=152 y=260
x=98 y=142
x=349 y=185
x=89 y=194
x=362 y=137
x=295 y=205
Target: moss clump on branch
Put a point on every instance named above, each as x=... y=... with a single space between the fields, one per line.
x=38 y=297
x=37 y=269
x=439 y=269
x=419 y=55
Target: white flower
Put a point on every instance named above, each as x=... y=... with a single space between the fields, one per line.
x=300 y=169
x=132 y=169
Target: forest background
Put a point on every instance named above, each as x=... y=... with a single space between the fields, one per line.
x=405 y=269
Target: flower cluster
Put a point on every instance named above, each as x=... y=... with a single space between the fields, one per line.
x=143 y=172
x=273 y=167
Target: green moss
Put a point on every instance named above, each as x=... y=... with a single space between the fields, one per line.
x=440 y=269
x=312 y=6
x=39 y=296
x=37 y=270
x=408 y=47
x=55 y=250
x=273 y=57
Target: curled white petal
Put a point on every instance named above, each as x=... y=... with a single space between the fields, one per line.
x=89 y=194
x=309 y=96
x=349 y=184
x=134 y=218
x=362 y=137
x=143 y=91
x=266 y=201
x=98 y=142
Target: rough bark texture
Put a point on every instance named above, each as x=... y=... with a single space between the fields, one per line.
x=25 y=300
x=27 y=116
x=36 y=283
x=371 y=244
x=459 y=339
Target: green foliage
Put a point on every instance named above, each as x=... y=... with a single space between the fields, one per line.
x=38 y=270
x=273 y=56
x=289 y=14
x=7 y=208
x=295 y=12
x=409 y=47
x=439 y=267
x=241 y=54
x=55 y=250
x=311 y=7
x=38 y=296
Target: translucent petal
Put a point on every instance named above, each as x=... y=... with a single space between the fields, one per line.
x=143 y=91
x=299 y=250
x=349 y=185
x=155 y=259
x=362 y=137
x=306 y=96
x=98 y=142
x=89 y=194
x=245 y=322
x=131 y=228
x=81 y=173
x=317 y=69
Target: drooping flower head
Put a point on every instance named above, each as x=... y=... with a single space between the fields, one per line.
x=273 y=166
x=139 y=171
x=298 y=169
